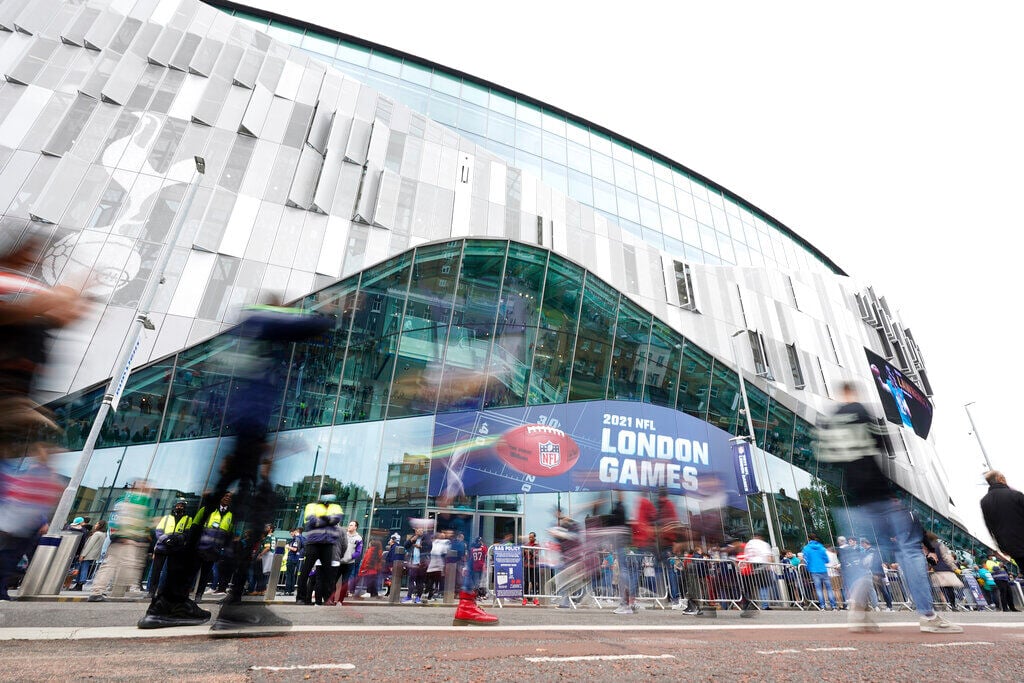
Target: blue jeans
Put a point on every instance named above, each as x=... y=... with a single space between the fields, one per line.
x=889 y=519
x=823 y=585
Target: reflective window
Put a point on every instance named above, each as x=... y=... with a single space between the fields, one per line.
x=632 y=337
x=662 y=355
x=592 y=356
x=428 y=312
x=694 y=381
x=199 y=388
x=549 y=380
x=516 y=331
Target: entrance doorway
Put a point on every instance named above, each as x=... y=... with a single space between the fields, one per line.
x=492 y=527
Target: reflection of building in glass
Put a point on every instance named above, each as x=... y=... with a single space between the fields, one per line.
x=478 y=249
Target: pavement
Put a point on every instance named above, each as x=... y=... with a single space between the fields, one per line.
x=70 y=639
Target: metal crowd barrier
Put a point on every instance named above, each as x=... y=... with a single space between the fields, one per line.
x=897 y=590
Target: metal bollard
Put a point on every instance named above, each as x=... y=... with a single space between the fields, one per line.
x=275 y=571
x=450 y=574
x=397 y=573
x=49 y=567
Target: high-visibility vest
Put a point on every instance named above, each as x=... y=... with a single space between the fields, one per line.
x=169 y=525
x=218 y=521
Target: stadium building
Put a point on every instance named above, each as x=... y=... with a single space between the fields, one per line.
x=531 y=310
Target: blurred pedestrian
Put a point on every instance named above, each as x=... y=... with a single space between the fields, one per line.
x=851 y=441
x=817 y=566
x=295 y=550
x=129 y=538
x=322 y=533
x=214 y=541
x=370 y=567
x=264 y=339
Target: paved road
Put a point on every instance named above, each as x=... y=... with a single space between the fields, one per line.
x=74 y=641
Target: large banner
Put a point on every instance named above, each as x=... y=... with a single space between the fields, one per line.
x=904 y=403
x=591 y=446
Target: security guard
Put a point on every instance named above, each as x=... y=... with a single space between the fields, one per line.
x=170 y=537
x=322 y=533
x=216 y=536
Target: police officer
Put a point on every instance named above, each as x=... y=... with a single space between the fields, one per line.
x=170 y=537
x=322 y=532
x=216 y=535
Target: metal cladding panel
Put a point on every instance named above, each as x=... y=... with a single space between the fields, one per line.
x=358 y=141
x=9 y=11
x=102 y=30
x=249 y=68
x=165 y=46
x=367 y=195
x=256 y=111
x=300 y=195
x=334 y=159
x=205 y=57
x=185 y=51
x=75 y=33
x=36 y=15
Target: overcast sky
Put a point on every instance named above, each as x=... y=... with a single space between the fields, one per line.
x=889 y=135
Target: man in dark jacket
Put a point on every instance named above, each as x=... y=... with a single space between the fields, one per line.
x=260 y=366
x=1003 y=510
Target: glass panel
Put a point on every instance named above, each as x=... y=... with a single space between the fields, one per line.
x=199 y=388
x=593 y=352
x=469 y=340
x=632 y=335
x=663 y=354
x=726 y=402
x=549 y=381
x=376 y=323
x=694 y=381
x=316 y=367
x=140 y=410
x=428 y=312
x=516 y=333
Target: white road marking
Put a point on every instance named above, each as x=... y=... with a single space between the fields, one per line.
x=596 y=658
x=778 y=652
x=831 y=649
x=958 y=644
x=302 y=667
x=130 y=632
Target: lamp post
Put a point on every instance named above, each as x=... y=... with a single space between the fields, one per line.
x=752 y=438
x=967 y=408
x=124 y=362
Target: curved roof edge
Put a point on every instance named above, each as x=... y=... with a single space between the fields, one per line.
x=283 y=18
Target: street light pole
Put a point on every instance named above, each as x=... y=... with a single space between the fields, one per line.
x=752 y=437
x=967 y=408
x=124 y=362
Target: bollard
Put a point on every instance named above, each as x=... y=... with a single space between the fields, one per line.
x=275 y=571
x=49 y=567
x=450 y=573
x=397 y=573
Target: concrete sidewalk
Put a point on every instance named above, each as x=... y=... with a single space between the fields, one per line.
x=71 y=616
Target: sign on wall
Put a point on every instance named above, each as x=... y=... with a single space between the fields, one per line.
x=904 y=403
x=591 y=446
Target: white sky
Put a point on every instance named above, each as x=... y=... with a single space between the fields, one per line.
x=889 y=135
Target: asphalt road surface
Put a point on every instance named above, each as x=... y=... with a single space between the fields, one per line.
x=82 y=641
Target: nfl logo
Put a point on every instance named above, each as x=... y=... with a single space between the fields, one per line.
x=550 y=454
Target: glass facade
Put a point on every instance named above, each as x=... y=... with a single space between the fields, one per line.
x=450 y=326
x=666 y=205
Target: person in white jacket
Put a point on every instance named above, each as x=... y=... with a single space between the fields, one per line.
x=435 y=568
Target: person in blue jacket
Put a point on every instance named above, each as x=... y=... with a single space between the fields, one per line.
x=816 y=558
x=260 y=367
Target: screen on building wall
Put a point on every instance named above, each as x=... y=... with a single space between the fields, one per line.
x=904 y=403
x=586 y=446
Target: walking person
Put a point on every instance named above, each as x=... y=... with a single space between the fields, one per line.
x=126 y=555
x=370 y=567
x=214 y=541
x=91 y=553
x=349 y=570
x=417 y=550
x=264 y=349
x=872 y=563
x=850 y=440
x=1003 y=510
x=816 y=558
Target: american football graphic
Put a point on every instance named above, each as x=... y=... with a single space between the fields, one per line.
x=538 y=450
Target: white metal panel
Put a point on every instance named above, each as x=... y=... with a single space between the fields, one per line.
x=332 y=251
x=239 y=227
x=24 y=113
x=496 y=189
x=377 y=151
x=358 y=142
x=256 y=112
x=368 y=195
x=189 y=94
x=291 y=77
x=192 y=284
x=461 y=209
